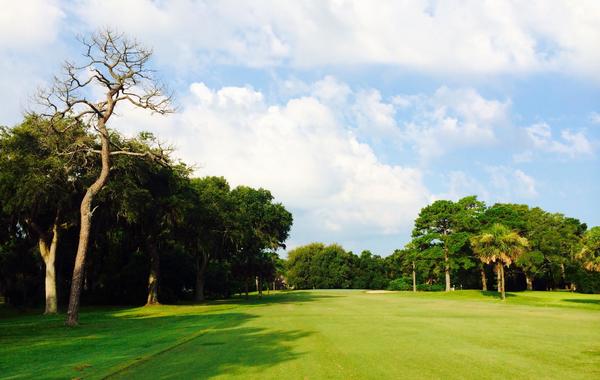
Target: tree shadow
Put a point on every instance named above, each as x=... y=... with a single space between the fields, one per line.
x=241 y=350
x=196 y=341
x=494 y=294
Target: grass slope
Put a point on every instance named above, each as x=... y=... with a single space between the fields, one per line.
x=317 y=335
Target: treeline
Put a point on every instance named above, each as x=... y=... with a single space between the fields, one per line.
x=465 y=245
x=157 y=233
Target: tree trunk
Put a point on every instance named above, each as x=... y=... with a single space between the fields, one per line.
x=483 y=279
x=498 y=280
x=503 y=293
x=447 y=269
x=84 y=229
x=529 y=282
x=246 y=287
x=154 y=275
x=201 y=265
x=414 y=277
x=258 y=286
x=48 y=254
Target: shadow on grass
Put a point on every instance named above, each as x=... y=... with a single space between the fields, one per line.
x=584 y=301
x=180 y=341
x=493 y=294
x=223 y=351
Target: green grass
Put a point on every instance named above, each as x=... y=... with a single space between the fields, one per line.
x=317 y=335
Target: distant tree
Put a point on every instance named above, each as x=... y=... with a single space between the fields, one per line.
x=260 y=225
x=501 y=246
x=116 y=67
x=589 y=252
x=369 y=272
x=445 y=227
x=299 y=263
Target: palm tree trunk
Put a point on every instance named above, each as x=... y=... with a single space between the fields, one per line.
x=498 y=279
x=483 y=279
x=447 y=269
x=503 y=294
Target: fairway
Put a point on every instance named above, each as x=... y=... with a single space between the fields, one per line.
x=318 y=335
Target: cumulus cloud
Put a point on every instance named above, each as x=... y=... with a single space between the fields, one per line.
x=500 y=184
x=29 y=24
x=467 y=36
x=452 y=119
x=335 y=184
x=28 y=34
x=571 y=144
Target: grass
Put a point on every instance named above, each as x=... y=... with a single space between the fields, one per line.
x=317 y=335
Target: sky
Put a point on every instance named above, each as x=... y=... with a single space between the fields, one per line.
x=355 y=114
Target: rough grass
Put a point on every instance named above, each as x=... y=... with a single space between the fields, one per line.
x=317 y=335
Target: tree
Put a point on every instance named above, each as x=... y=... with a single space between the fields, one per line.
x=448 y=225
x=39 y=186
x=298 y=265
x=117 y=67
x=212 y=223
x=152 y=199
x=501 y=246
x=589 y=252
x=260 y=225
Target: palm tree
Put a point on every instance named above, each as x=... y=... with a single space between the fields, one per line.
x=590 y=250
x=501 y=246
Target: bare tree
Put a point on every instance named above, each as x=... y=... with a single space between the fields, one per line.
x=117 y=68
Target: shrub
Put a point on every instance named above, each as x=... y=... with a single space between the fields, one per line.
x=402 y=283
x=430 y=287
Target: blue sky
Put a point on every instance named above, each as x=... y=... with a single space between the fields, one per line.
x=354 y=114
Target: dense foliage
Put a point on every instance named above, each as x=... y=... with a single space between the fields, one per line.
x=465 y=245
x=158 y=235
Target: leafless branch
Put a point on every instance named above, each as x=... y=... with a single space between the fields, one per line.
x=112 y=64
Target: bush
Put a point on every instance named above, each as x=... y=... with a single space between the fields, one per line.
x=587 y=282
x=430 y=287
x=402 y=283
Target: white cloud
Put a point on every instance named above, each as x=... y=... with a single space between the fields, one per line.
x=468 y=36
x=573 y=144
x=300 y=151
x=28 y=33
x=28 y=24
x=452 y=119
x=595 y=117
x=373 y=116
x=503 y=184
x=525 y=156
x=509 y=183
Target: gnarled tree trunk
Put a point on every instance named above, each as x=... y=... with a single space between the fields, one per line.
x=529 y=282
x=153 y=276
x=84 y=229
x=48 y=253
x=201 y=265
